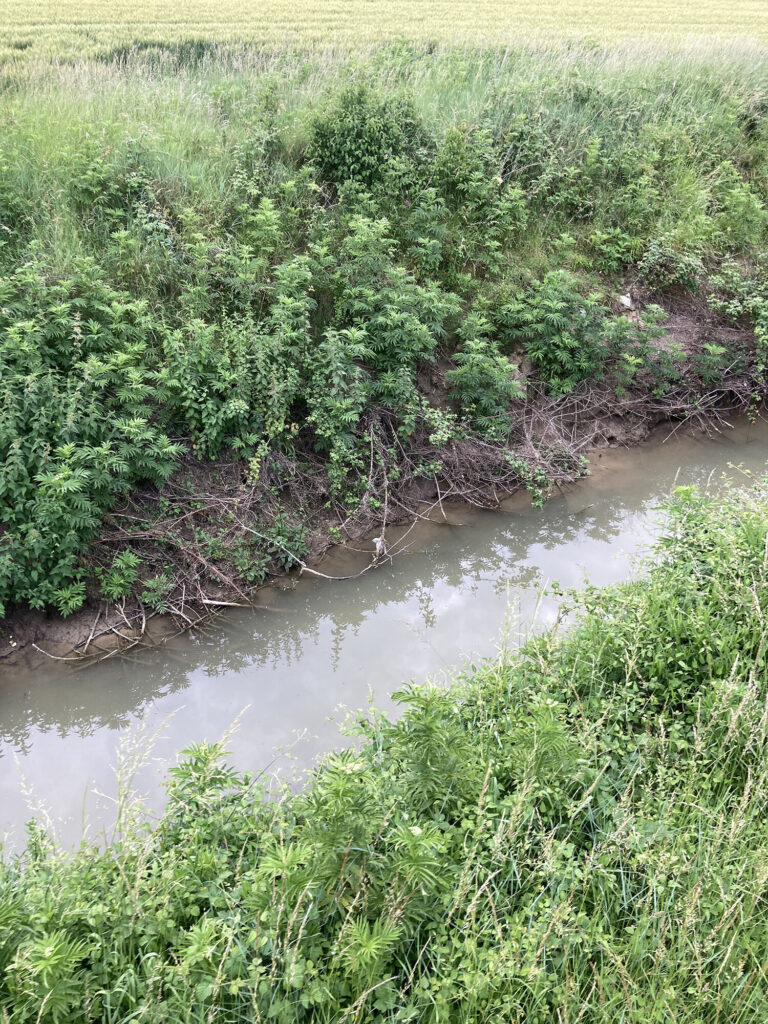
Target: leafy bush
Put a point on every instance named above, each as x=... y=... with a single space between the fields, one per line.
x=117 y=581
x=489 y=212
x=631 y=356
x=108 y=185
x=741 y=294
x=204 y=376
x=156 y=591
x=483 y=384
x=403 y=321
x=75 y=425
x=13 y=210
x=355 y=139
x=339 y=390
x=266 y=263
x=741 y=218
x=613 y=250
x=559 y=329
x=666 y=266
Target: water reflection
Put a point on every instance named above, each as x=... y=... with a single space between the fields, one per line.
x=315 y=645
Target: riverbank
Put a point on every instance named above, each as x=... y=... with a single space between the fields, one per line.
x=575 y=427
x=549 y=837
x=291 y=667
x=258 y=304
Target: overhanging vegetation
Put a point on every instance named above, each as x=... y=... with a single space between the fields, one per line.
x=574 y=832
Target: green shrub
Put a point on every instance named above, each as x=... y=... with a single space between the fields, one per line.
x=75 y=425
x=204 y=376
x=489 y=212
x=631 y=356
x=117 y=581
x=403 y=321
x=356 y=137
x=13 y=212
x=741 y=294
x=740 y=217
x=265 y=258
x=559 y=329
x=339 y=390
x=613 y=250
x=483 y=384
x=666 y=266
x=156 y=591
x=110 y=186
x=464 y=167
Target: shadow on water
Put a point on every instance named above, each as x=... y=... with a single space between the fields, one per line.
x=314 y=646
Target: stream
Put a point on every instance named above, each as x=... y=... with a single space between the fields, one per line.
x=289 y=669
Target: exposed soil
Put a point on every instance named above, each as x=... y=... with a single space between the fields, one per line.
x=173 y=531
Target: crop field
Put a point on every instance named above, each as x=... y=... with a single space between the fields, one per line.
x=93 y=27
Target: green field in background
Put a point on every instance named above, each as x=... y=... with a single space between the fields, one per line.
x=88 y=27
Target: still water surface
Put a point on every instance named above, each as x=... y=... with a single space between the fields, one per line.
x=314 y=649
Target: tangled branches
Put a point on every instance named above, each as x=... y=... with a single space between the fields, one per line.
x=213 y=536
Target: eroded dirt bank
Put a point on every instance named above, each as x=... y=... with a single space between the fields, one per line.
x=549 y=442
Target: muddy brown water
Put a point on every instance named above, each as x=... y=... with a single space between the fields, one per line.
x=290 y=669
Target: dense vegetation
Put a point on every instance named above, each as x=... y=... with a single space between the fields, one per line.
x=576 y=832
x=289 y=285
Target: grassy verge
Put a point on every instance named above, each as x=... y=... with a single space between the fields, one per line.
x=254 y=301
x=576 y=832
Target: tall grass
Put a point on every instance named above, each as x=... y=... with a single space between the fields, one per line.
x=190 y=120
x=576 y=832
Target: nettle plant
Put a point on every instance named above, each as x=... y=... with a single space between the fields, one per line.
x=667 y=265
x=240 y=377
x=76 y=425
x=487 y=211
x=340 y=388
x=404 y=319
x=342 y=334
x=559 y=329
x=570 y=337
x=483 y=384
x=360 y=134
x=741 y=294
x=118 y=579
x=740 y=218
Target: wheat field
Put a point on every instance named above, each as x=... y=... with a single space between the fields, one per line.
x=91 y=27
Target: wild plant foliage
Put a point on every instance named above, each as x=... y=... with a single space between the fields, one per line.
x=300 y=264
x=577 y=829
x=76 y=425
